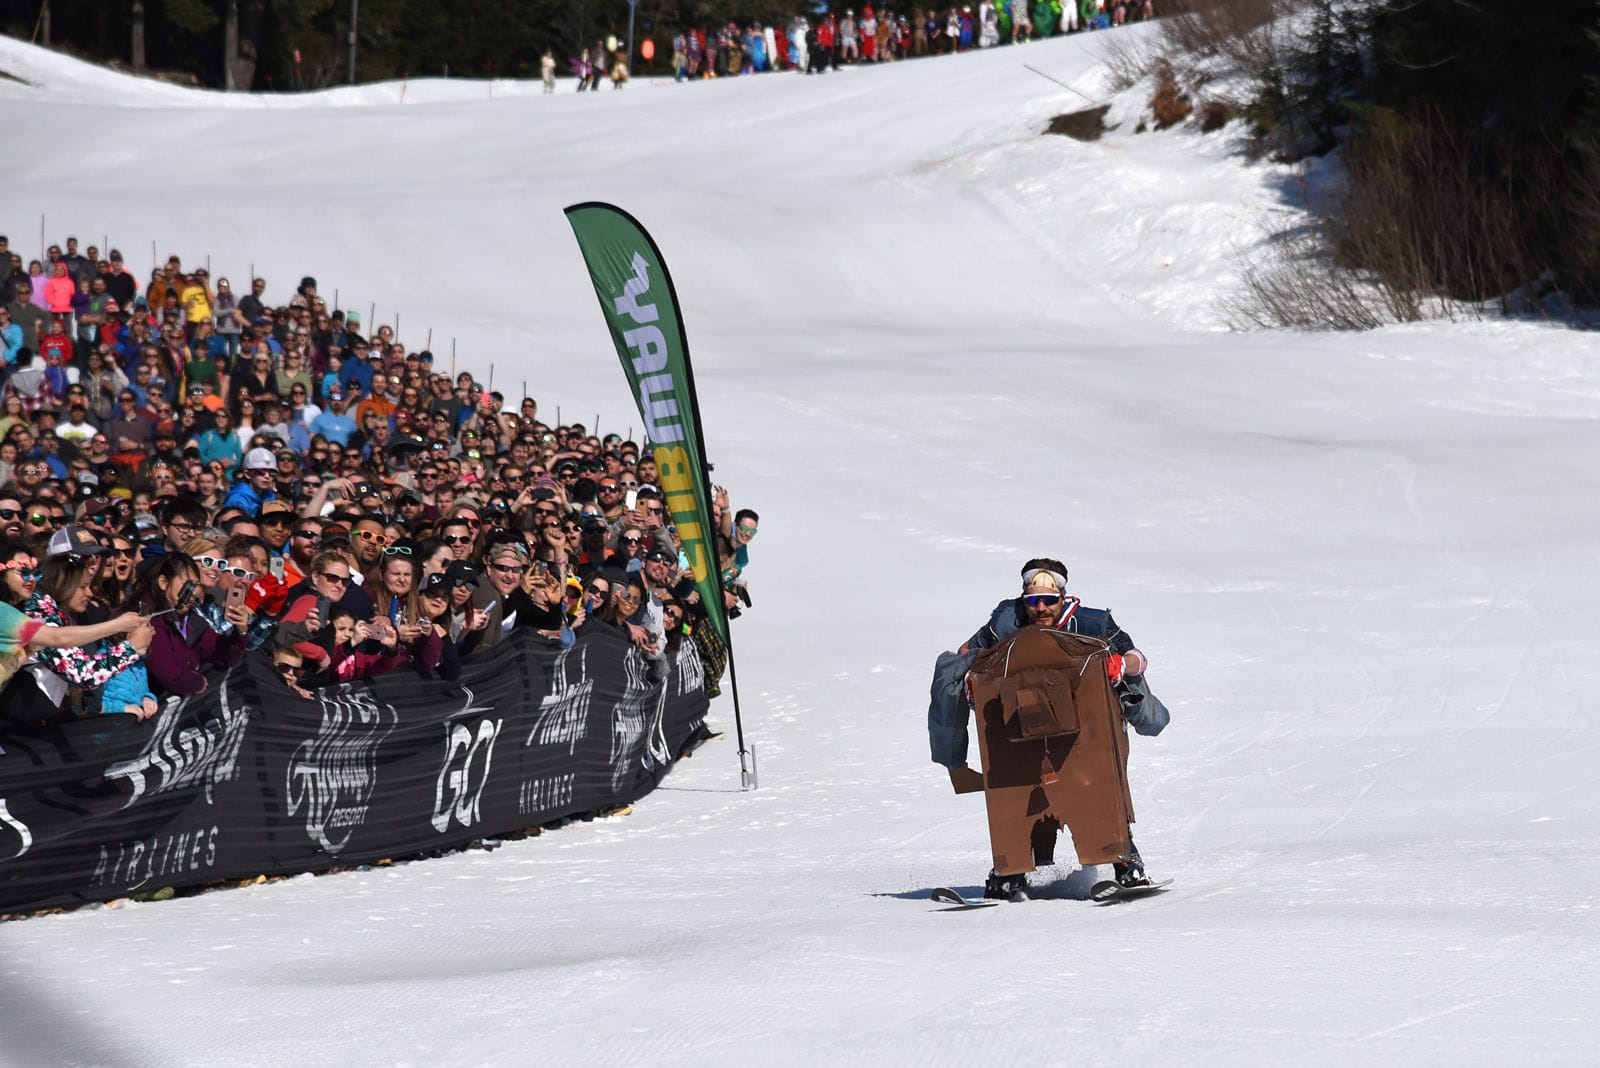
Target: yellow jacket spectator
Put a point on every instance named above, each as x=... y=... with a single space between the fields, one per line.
x=195 y=296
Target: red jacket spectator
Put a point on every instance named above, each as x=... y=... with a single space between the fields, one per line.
x=58 y=344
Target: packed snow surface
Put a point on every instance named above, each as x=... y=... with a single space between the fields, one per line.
x=930 y=344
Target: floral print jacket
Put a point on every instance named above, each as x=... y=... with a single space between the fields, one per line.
x=86 y=665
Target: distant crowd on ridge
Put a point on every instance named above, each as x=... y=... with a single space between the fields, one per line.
x=880 y=36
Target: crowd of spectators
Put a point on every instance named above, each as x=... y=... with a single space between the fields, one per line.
x=875 y=36
x=217 y=474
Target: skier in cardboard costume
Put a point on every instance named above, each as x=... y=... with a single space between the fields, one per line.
x=1053 y=683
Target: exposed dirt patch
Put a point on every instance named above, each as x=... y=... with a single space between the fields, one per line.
x=1082 y=125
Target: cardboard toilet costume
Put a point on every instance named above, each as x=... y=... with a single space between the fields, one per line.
x=1054 y=750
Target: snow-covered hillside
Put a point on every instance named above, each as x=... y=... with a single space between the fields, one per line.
x=930 y=344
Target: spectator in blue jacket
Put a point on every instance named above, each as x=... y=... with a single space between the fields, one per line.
x=260 y=470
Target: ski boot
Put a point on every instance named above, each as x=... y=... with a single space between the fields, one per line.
x=1130 y=873
x=1006 y=887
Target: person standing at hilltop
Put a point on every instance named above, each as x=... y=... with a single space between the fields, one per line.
x=547 y=70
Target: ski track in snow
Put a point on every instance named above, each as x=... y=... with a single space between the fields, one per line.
x=930 y=344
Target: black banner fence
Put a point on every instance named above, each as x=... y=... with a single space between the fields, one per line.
x=251 y=778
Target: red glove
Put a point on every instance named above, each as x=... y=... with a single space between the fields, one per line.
x=1114 y=668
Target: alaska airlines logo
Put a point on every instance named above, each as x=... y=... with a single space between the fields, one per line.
x=563 y=717
x=197 y=753
x=333 y=775
x=629 y=720
x=691 y=671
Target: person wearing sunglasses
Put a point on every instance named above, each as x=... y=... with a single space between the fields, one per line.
x=307 y=612
x=184 y=641
x=458 y=536
x=497 y=600
x=114 y=582
x=60 y=597
x=290 y=666
x=367 y=541
x=1043 y=602
x=305 y=538
x=208 y=559
x=11 y=522
x=21 y=634
x=19 y=572
x=630 y=548
x=589 y=554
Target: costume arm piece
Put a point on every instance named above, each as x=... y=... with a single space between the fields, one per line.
x=947 y=709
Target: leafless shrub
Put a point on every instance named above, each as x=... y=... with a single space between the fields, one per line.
x=1127 y=60
x=1433 y=207
x=1214 y=115
x=1234 y=29
x=1295 y=283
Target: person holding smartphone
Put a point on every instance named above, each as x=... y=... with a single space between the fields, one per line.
x=183 y=641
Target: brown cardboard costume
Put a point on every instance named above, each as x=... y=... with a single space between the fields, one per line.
x=1054 y=749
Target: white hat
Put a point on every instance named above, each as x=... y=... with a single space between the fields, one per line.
x=260 y=460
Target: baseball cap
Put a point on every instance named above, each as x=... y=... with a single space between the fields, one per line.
x=273 y=507
x=437 y=581
x=462 y=573
x=259 y=459
x=73 y=541
x=665 y=556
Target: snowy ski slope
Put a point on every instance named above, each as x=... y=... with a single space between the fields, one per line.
x=930 y=344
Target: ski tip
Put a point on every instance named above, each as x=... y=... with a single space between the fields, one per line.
x=1108 y=892
x=943 y=895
